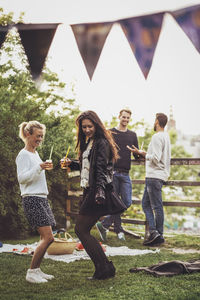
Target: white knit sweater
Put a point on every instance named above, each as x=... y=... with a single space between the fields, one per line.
x=31 y=177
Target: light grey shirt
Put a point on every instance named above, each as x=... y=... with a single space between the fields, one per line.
x=158 y=156
x=31 y=177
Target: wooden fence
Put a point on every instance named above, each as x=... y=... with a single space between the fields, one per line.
x=75 y=196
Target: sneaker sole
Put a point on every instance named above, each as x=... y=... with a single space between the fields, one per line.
x=157 y=242
x=32 y=281
x=152 y=241
x=47 y=277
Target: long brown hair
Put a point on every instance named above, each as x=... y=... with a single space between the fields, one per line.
x=100 y=131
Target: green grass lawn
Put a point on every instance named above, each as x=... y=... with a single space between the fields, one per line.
x=70 y=279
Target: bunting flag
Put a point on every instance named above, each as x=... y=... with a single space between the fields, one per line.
x=143 y=34
x=3 y=33
x=189 y=20
x=36 y=40
x=90 y=39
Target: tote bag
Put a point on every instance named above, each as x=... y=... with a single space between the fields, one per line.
x=113 y=202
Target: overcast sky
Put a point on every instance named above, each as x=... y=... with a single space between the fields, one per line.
x=174 y=79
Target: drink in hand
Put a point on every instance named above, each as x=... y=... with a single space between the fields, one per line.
x=50 y=164
x=63 y=163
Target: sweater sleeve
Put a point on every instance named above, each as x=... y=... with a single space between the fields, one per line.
x=135 y=143
x=25 y=174
x=156 y=150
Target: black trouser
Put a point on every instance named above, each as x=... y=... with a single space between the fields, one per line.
x=83 y=227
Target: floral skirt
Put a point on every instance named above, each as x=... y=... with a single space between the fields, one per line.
x=38 y=211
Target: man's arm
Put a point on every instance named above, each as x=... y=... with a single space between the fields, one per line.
x=156 y=150
x=136 y=151
x=135 y=144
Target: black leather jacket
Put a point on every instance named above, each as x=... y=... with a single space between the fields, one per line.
x=96 y=199
x=101 y=165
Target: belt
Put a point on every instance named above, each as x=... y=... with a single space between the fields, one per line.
x=121 y=171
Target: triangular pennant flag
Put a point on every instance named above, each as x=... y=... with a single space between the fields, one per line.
x=189 y=20
x=36 y=40
x=143 y=34
x=90 y=39
x=3 y=33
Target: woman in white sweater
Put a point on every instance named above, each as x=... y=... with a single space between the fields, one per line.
x=34 y=191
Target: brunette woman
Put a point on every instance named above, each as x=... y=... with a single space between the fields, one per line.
x=33 y=186
x=97 y=152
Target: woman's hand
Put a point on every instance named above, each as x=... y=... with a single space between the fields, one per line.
x=46 y=165
x=65 y=163
x=100 y=196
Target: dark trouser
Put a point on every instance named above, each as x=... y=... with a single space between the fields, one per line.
x=83 y=227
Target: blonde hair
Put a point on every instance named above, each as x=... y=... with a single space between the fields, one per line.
x=25 y=127
x=127 y=110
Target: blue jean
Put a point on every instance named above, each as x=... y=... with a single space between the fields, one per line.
x=123 y=187
x=152 y=204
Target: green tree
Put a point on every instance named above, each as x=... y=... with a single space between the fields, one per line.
x=21 y=100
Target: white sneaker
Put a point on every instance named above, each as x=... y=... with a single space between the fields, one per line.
x=34 y=277
x=121 y=236
x=44 y=275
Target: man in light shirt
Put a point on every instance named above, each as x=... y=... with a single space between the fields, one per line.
x=157 y=164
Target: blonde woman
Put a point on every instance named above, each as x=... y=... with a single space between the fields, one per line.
x=34 y=191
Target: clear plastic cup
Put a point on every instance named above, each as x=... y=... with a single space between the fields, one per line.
x=50 y=167
x=63 y=163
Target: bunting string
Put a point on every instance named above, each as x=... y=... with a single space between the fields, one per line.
x=142 y=33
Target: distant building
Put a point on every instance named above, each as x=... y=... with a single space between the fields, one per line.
x=191 y=143
x=171 y=122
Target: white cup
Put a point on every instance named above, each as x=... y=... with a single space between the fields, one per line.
x=50 y=162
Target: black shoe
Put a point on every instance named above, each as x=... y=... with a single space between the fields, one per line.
x=154 y=235
x=160 y=240
x=104 y=272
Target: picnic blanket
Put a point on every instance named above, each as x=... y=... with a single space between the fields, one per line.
x=76 y=255
x=170 y=268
